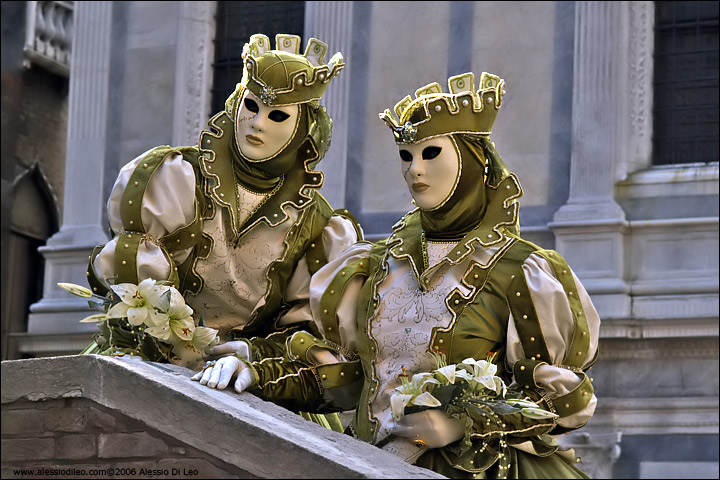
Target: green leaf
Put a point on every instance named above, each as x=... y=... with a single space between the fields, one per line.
x=503 y=408
x=447 y=393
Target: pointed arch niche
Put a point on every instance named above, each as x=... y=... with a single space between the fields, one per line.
x=34 y=219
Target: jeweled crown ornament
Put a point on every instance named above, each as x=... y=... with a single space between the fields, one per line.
x=283 y=76
x=433 y=113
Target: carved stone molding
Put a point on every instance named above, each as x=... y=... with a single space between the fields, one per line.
x=652 y=349
x=655 y=416
x=642 y=35
x=193 y=73
x=597 y=452
x=48 y=35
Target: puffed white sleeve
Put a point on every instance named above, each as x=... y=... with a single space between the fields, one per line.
x=336 y=237
x=552 y=337
x=166 y=207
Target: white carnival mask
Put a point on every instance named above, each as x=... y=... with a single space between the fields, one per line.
x=263 y=131
x=431 y=169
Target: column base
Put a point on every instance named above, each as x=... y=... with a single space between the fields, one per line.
x=66 y=260
x=595 y=250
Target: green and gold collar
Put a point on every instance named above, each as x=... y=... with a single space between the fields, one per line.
x=408 y=238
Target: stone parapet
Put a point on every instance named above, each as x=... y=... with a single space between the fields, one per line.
x=88 y=412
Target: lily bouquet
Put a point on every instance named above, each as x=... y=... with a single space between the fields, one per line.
x=150 y=320
x=469 y=387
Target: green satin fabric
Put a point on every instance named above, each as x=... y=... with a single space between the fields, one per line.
x=522 y=465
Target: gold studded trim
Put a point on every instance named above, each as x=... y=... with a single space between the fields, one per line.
x=131 y=198
x=331 y=297
x=126 y=258
x=524 y=372
x=526 y=319
x=580 y=342
x=299 y=344
x=576 y=400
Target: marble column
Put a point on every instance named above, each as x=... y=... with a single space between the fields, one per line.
x=611 y=122
x=331 y=22
x=193 y=70
x=66 y=252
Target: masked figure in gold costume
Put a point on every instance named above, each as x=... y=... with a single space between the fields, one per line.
x=456 y=280
x=235 y=223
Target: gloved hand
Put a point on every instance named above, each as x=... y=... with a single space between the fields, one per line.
x=433 y=428
x=219 y=373
x=239 y=347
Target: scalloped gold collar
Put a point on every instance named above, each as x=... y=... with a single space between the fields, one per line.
x=216 y=165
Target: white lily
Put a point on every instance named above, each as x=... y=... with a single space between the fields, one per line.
x=398 y=402
x=99 y=317
x=412 y=392
x=137 y=303
x=78 y=290
x=173 y=312
x=479 y=368
x=448 y=372
x=417 y=384
x=482 y=373
x=426 y=399
x=203 y=337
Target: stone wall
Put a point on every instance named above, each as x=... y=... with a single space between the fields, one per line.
x=85 y=413
x=79 y=436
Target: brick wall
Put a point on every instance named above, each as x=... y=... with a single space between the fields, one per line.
x=77 y=434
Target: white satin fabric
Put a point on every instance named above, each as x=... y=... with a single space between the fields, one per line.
x=235 y=279
x=557 y=325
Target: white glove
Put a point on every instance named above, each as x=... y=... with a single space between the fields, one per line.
x=239 y=347
x=221 y=372
x=433 y=427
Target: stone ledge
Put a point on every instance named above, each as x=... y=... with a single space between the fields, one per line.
x=239 y=429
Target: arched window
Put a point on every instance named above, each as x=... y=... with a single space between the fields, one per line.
x=34 y=219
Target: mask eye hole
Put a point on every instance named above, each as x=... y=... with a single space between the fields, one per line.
x=278 y=116
x=251 y=105
x=431 y=152
x=406 y=156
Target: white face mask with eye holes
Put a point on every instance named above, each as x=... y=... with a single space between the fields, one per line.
x=432 y=170
x=263 y=131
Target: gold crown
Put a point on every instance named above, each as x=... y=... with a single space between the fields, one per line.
x=433 y=113
x=285 y=77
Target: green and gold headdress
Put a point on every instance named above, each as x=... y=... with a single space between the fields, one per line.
x=283 y=76
x=433 y=113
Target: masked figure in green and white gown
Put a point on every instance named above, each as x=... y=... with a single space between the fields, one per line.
x=236 y=222
x=454 y=277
